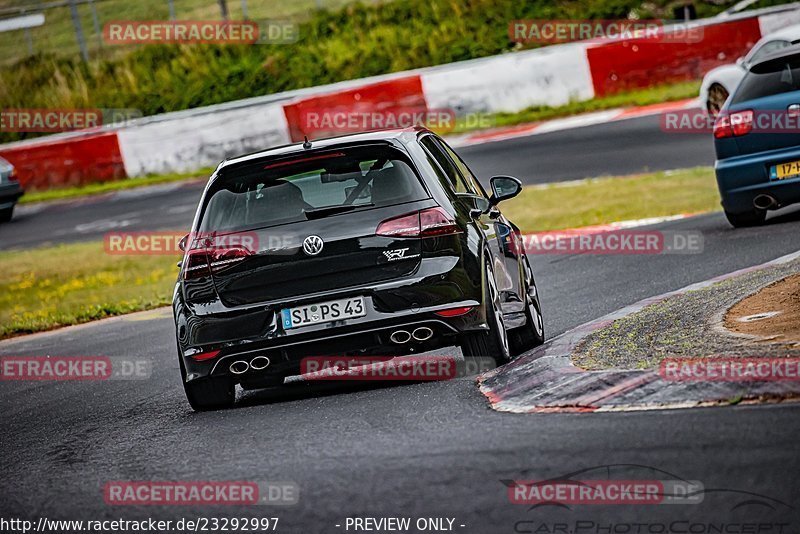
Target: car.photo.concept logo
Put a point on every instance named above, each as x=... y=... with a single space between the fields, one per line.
x=602 y=499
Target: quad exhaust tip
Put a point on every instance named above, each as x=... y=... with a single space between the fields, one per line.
x=239 y=367
x=765 y=202
x=401 y=337
x=422 y=333
x=259 y=362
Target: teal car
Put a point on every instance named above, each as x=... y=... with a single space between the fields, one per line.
x=757 y=140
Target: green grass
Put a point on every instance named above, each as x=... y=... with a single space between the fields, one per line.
x=644 y=97
x=57 y=35
x=107 y=187
x=604 y=200
x=69 y=284
x=49 y=287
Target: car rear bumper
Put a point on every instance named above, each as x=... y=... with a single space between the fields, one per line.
x=742 y=178
x=9 y=194
x=403 y=304
x=371 y=337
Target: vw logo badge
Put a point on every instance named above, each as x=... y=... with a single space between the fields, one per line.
x=312 y=245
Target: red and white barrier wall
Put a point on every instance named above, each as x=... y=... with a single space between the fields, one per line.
x=552 y=76
x=64 y=160
x=189 y=141
x=549 y=76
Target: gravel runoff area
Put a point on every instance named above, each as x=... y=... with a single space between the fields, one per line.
x=664 y=352
x=687 y=325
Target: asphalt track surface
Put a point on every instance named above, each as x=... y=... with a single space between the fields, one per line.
x=616 y=148
x=415 y=450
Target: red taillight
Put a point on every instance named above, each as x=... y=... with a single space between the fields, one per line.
x=742 y=122
x=454 y=312
x=404 y=226
x=436 y=221
x=722 y=127
x=199 y=261
x=426 y=223
x=195 y=264
x=735 y=124
x=225 y=257
x=203 y=356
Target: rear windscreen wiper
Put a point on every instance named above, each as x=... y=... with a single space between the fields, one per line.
x=318 y=213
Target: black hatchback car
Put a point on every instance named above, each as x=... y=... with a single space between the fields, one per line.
x=381 y=243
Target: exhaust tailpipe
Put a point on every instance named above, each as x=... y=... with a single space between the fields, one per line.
x=259 y=362
x=239 y=367
x=765 y=202
x=422 y=333
x=400 y=337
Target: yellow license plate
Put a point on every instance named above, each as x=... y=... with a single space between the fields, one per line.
x=782 y=171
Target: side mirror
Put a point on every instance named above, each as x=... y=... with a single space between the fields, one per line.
x=740 y=61
x=503 y=188
x=182 y=242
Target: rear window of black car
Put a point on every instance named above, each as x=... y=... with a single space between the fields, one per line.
x=309 y=185
x=769 y=78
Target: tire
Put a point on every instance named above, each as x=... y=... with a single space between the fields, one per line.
x=748 y=218
x=717 y=95
x=493 y=343
x=531 y=334
x=206 y=394
x=6 y=214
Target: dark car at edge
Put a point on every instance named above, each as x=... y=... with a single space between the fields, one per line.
x=381 y=243
x=10 y=190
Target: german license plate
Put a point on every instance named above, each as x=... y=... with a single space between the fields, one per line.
x=782 y=171
x=323 y=312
